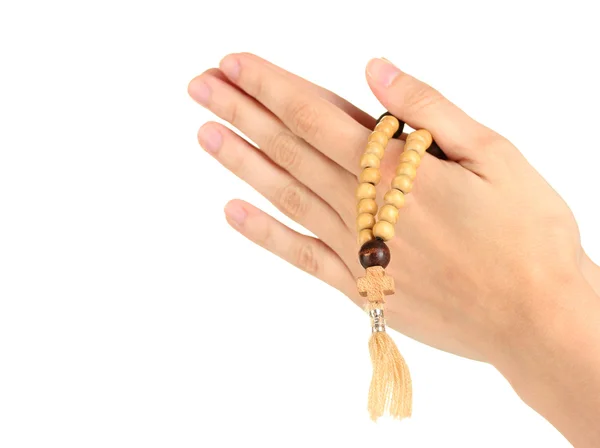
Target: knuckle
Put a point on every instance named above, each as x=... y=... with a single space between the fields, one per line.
x=421 y=97
x=303 y=119
x=236 y=165
x=232 y=113
x=307 y=258
x=253 y=81
x=493 y=149
x=264 y=238
x=284 y=149
x=493 y=140
x=256 y=87
x=292 y=201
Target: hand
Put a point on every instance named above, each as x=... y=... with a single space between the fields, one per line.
x=487 y=260
x=479 y=237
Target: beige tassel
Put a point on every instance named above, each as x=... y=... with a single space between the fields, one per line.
x=391 y=385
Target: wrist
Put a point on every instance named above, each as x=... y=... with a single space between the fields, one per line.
x=548 y=308
x=553 y=363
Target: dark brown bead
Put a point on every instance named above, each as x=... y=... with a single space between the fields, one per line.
x=374 y=253
x=436 y=151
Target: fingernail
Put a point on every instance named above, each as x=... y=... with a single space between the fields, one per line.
x=235 y=213
x=200 y=91
x=210 y=139
x=382 y=71
x=231 y=67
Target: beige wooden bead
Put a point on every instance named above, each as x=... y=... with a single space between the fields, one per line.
x=366 y=191
x=394 y=197
x=415 y=136
x=384 y=230
x=370 y=161
x=416 y=145
x=365 y=221
x=375 y=148
x=407 y=168
x=371 y=175
x=364 y=236
x=391 y=120
x=410 y=157
x=379 y=137
x=386 y=127
x=367 y=206
x=423 y=135
x=388 y=213
x=402 y=183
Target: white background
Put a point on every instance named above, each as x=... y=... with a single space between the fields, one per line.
x=131 y=315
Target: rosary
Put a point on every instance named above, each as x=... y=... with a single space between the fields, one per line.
x=391 y=386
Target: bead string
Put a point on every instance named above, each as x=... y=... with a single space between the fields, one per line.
x=417 y=143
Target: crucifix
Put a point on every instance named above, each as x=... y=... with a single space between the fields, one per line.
x=375 y=285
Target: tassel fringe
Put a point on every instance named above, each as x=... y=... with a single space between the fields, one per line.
x=391 y=385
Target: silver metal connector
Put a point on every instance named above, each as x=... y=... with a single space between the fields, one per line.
x=377 y=320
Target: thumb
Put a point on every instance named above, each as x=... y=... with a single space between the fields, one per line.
x=422 y=107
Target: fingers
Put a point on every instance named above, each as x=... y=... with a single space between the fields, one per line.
x=362 y=117
x=462 y=138
x=307 y=253
x=306 y=114
x=279 y=187
x=305 y=163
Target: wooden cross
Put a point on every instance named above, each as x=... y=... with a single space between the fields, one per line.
x=375 y=285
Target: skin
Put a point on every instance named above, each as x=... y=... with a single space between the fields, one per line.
x=492 y=266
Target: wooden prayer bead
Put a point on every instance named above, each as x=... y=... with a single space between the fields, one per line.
x=410 y=157
x=374 y=253
x=366 y=191
x=423 y=135
x=398 y=125
x=367 y=206
x=402 y=183
x=408 y=169
x=384 y=230
x=365 y=221
x=364 y=236
x=370 y=175
x=393 y=121
x=388 y=213
x=386 y=127
x=378 y=137
x=394 y=197
x=370 y=161
x=375 y=148
x=417 y=145
x=413 y=136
